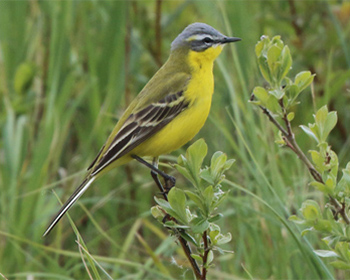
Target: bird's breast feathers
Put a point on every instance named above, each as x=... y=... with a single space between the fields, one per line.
x=185 y=125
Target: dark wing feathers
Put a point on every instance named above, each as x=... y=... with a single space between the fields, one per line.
x=140 y=126
x=96 y=158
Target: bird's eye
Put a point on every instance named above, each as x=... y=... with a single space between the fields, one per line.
x=208 y=40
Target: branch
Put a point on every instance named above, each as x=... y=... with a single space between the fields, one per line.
x=185 y=246
x=192 y=261
x=293 y=145
x=273 y=120
x=205 y=255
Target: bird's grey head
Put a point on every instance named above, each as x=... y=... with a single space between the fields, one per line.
x=199 y=37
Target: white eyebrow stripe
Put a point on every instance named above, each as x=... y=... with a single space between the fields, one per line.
x=199 y=37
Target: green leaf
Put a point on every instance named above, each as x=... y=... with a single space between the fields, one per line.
x=217 y=162
x=196 y=154
x=190 y=165
x=207 y=176
x=333 y=164
x=185 y=172
x=173 y=224
x=323 y=225
x=321 y=115
x=280 y=141
x=197 y=258
x=310 y=210
x=210 y=258
x=184 y=234
x=276 y=40
x=278 y=93
x=320 y=186
x=223 y=239
x=286 y=63
x=264 y=69
x=325 y=122
x=303 y=79
x=325 y=253
x=157 y=212
x=218 y=165
x=164 y=204
x=177 y=201
x=343 y=187
x=292 y=93
x=290 y=116
x=215 y=218
x=215 y=227
x=213 y=235
x=197 y=200
x=296 y=220
x=340 y=265
x=199 y=225
x=208 y=196
x=272 y=104
x=343 y=250
x=327 y=187
x=259 y=47
x=228 y=164
x=273 y=55
x=309 y=132
x=305 y=231
x=261 y=94
x=329 y=124
x=318 y=160
x=219 y=199
x=330 y=185
x=167 y=208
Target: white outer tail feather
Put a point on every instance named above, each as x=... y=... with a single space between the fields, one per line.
x=69 y=203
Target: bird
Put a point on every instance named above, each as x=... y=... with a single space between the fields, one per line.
x=168 y=112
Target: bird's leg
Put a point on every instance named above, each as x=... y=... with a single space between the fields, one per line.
x=160 y=186
x=156 y=179
x=169 y=180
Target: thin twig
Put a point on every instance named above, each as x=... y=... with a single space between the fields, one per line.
x=184 y=244
x=293 y=145
x=273 y=120
x=205 y=255
x=192 y=261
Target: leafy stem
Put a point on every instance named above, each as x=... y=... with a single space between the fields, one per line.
x=289 y=138
x=184 y=244
x=194 y=221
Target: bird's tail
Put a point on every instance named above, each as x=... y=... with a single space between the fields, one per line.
x=69 y=203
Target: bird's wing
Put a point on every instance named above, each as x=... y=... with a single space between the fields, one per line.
x=140 y=126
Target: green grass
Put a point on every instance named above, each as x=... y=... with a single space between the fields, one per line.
x=67 y=70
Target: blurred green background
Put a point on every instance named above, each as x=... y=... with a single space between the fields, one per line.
x=67 y=71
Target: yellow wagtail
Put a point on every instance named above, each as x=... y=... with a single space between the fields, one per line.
x=167 y=113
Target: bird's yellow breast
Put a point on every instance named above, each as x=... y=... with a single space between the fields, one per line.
x=188 y=123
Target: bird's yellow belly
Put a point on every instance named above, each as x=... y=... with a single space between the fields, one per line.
x=178 y=132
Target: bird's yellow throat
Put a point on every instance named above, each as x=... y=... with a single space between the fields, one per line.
x=204 y=59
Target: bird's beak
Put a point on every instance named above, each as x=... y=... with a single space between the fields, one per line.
x=226 y=40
